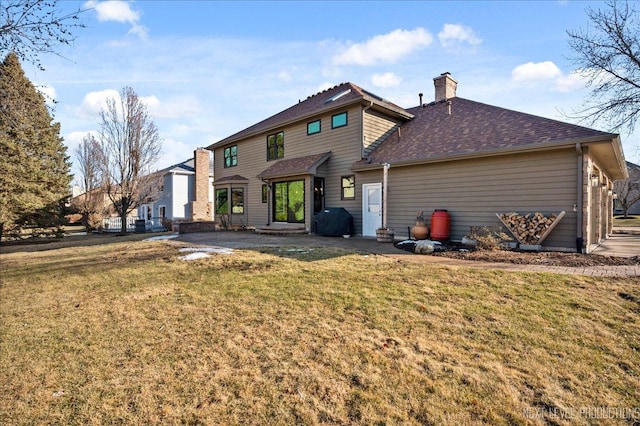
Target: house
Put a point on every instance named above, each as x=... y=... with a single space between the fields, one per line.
x=93 y=209
x=183 y=195
x=472 y=159
x=628 y=190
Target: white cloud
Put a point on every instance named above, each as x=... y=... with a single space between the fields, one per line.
x=454 y=34
x=385 y=48
x=536 y=71
x=151 y=102
x=547 y=72
x=569 y=83
x=49 y=93
x=387 y=79
x=73 y=139
x=139 y=30
x=322 y=87
x=284 y=76
x=94 y=102
x=113 y=10
x=173 y=152
x=118 y=11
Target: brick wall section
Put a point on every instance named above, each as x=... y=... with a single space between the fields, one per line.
x=201 y=207
x=191 y=227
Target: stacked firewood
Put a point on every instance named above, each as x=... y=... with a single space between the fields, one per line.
x=529 y=228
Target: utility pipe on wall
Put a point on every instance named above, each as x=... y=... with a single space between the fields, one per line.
x=385 y=178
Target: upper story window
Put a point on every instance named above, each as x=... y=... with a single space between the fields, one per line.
x=339 y=120
x=313 y=127
x=275 y=146
x=231 y=156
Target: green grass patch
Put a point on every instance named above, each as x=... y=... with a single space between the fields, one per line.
x=127 y=333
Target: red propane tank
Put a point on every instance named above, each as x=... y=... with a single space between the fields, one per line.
x=440 y=222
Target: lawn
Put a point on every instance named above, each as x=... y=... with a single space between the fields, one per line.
x=632 y=220
x=127 y=333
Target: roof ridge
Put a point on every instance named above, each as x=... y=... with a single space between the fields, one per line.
x=327 y=90
x=509 y=110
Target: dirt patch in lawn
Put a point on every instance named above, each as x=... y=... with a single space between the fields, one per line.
x=459 y=251
x=541 y=258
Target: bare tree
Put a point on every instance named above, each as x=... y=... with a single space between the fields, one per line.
x=90 y=204
x=32 y=27
x=130 y=146
x=628 y=190
x=607 y=52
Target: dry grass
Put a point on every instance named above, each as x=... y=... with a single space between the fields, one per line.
x=631 y=221
x=125 y=333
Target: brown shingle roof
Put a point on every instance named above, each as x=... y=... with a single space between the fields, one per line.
x=294 y=166
x=472 y=128
x=345 y=94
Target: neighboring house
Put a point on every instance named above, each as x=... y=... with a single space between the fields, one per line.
x=178 y=193
x=470 y=158
x=103 y=215
x=630 y=188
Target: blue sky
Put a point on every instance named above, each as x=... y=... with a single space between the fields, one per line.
x=207 y=69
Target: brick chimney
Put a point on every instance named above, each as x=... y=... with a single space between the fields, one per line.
x=445 y=87
x=201 y=206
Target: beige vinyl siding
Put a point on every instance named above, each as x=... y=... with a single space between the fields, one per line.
x=377 y=127
x=343 y=142
x=474 y=190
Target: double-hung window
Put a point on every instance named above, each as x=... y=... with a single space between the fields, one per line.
x=231 y=156
x=348 y=188
x=275 y=146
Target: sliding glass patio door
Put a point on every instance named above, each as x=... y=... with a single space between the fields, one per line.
x=288 y=201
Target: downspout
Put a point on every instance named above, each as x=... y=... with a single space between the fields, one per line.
x=268 y=201
x=362 y=130
x=385 y=180
x=579 y=211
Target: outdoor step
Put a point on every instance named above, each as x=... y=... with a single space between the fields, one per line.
x=280 y=230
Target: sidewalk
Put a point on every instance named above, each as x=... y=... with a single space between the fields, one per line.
x=621 y=243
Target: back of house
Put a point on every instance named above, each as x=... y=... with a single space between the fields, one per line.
x=471 y=159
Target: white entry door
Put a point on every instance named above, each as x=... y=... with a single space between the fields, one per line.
x=371 y=208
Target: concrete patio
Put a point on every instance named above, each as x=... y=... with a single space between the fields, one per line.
x=624 y=242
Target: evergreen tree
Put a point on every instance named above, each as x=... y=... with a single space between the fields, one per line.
x=34 y=167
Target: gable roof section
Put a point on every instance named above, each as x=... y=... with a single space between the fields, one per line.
x=232 y=179
x=295 y=166
x=337 y=97
x=632 y=166
x=473 y=129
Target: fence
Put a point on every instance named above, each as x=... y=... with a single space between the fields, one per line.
x=113 y=224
